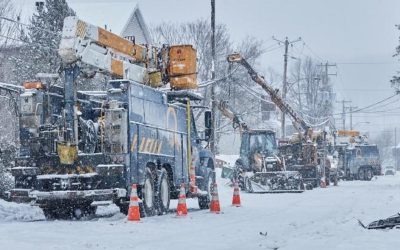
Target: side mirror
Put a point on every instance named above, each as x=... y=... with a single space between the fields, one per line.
x=207 y=124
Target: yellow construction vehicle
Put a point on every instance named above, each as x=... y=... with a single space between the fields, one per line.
x=300 y=155
x=259 y=169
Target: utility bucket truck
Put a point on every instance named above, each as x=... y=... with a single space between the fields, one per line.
x=83 y=149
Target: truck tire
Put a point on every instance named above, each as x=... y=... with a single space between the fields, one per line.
x=50 y=213
x=163 y=196
x=55 y=213
x=148 y=194
x=204 y=200
x=361 y=174
x=84 y=210
x=368 y=174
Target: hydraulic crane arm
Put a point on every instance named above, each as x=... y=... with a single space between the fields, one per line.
x=95 y=49
x=98 y=50
x=236 y=120
x=275 y=97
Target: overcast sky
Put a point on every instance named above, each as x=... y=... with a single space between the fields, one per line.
x=358 y=35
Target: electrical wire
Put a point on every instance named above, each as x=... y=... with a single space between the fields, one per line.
x=20 y=40
x=371 y=105
x=366 y=63
x=29 y=26
x=263 y=100
x=209 y=82
x=312 y=51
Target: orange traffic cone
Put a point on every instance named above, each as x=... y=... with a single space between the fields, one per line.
x=214 y=205
x=133 y=212
x=236 y=195
x=181 y=210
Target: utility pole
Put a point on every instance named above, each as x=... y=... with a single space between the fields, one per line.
x=213 y=107
x=326 y=71
x=284 y=87
x=395 y=148
x=344 y=112
x=351 y=116
x=325 y=79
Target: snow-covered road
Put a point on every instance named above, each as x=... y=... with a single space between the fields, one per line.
x=317 y=219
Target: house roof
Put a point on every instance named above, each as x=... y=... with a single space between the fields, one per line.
x=121 y=17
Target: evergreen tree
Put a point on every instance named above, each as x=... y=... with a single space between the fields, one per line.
x=396 y=79
x=41 y=41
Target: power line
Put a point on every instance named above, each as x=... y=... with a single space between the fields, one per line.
x=29 y=26
x=371 y=105
x=27 y=42
x=366 y=63
x=312 y=51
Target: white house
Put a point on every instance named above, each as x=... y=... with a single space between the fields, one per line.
x=123 y=18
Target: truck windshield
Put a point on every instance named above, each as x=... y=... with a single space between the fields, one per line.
x=263 y=143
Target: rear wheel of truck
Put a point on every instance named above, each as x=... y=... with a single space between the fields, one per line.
x=50 y=214
x=368 y=174
x=204 y=200
x=361 y=174
x=60 y=212
x=83 y=211
x=148 y=195
x=163 y=196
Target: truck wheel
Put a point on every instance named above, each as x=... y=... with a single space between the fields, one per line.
x=368 y=174
x=49 y=213
x=361 y=174
x=148 y=195
x=55 y=213
x=204 y=200
x=163 y=192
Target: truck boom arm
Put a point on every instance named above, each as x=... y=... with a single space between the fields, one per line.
x=275 y=97
x=98 y=50
x=95 y=49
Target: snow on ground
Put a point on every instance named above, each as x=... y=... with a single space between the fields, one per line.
x=317 y=219
x=19 y=212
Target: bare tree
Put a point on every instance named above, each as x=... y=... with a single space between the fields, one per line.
x=8 y=118
x=198 y=33
x=396 y=79
x=311 y=91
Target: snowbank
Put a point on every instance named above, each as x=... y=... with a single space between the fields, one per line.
x=10 y=211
